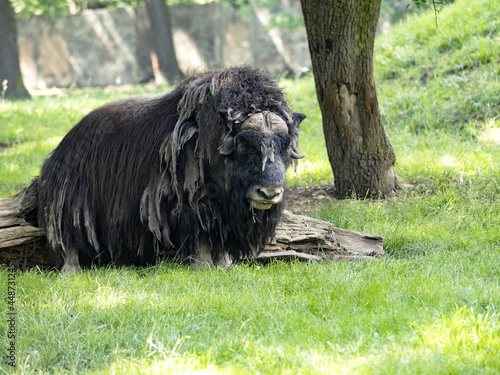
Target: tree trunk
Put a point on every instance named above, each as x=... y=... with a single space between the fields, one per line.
x=159 y=17
x=11 y=80
x=341 y=35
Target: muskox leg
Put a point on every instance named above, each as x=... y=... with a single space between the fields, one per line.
x=202 y=258
x=224 y=260
x=71 y=263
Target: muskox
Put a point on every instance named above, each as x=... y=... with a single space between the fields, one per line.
x=196 y=174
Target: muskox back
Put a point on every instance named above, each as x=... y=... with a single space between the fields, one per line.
x=195 y=174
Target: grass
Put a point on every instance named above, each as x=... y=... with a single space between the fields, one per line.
x=394 y=315
x=429 y=307
x=445 y=78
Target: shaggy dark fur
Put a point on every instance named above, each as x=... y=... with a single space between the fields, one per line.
x=166 y=175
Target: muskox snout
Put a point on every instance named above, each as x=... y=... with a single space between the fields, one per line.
x=263 y=197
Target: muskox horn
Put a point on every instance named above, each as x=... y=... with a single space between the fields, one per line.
x=295 y=153
x=254 y=122
x=265 y=121
x=276 y=123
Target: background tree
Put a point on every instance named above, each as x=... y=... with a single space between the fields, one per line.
x=159 y=17
x=341 y=37
x=11 y=79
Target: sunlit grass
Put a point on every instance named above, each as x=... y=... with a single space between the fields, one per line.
x=445 y=77
x=310 y=171
x=385 y=317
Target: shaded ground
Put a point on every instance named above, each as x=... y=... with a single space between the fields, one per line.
x=303 y=200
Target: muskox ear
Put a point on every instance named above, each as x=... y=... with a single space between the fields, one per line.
x=227 y=146
x=230 y=115
x=297 y=118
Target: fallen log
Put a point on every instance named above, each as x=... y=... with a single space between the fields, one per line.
x=297 y=237
x=313 y=239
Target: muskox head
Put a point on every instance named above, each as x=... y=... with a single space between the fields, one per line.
x=259 y=154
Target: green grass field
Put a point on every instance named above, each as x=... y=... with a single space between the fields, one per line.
x=430 y=306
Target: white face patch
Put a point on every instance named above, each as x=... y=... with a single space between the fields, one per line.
x=267 y=154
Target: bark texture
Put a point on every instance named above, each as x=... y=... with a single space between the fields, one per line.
x=10 y=72
x=159 y=17
x=341 y=36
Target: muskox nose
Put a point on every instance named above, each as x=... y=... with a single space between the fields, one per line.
x=263 y=197
x=269 y=193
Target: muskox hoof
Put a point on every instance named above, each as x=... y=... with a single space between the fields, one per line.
x=224 y=262
x=203 y=265
x=71 y=262
x=71 y=268
x=202 y=257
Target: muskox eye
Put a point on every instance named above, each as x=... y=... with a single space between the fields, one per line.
x=249 y=143
x=243 y=143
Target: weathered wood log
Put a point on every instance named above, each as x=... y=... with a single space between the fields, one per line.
x=21 y=242
x=16 y=213
x=307 y=238
x=297 y=237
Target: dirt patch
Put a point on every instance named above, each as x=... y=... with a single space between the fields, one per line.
x=303 y=200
